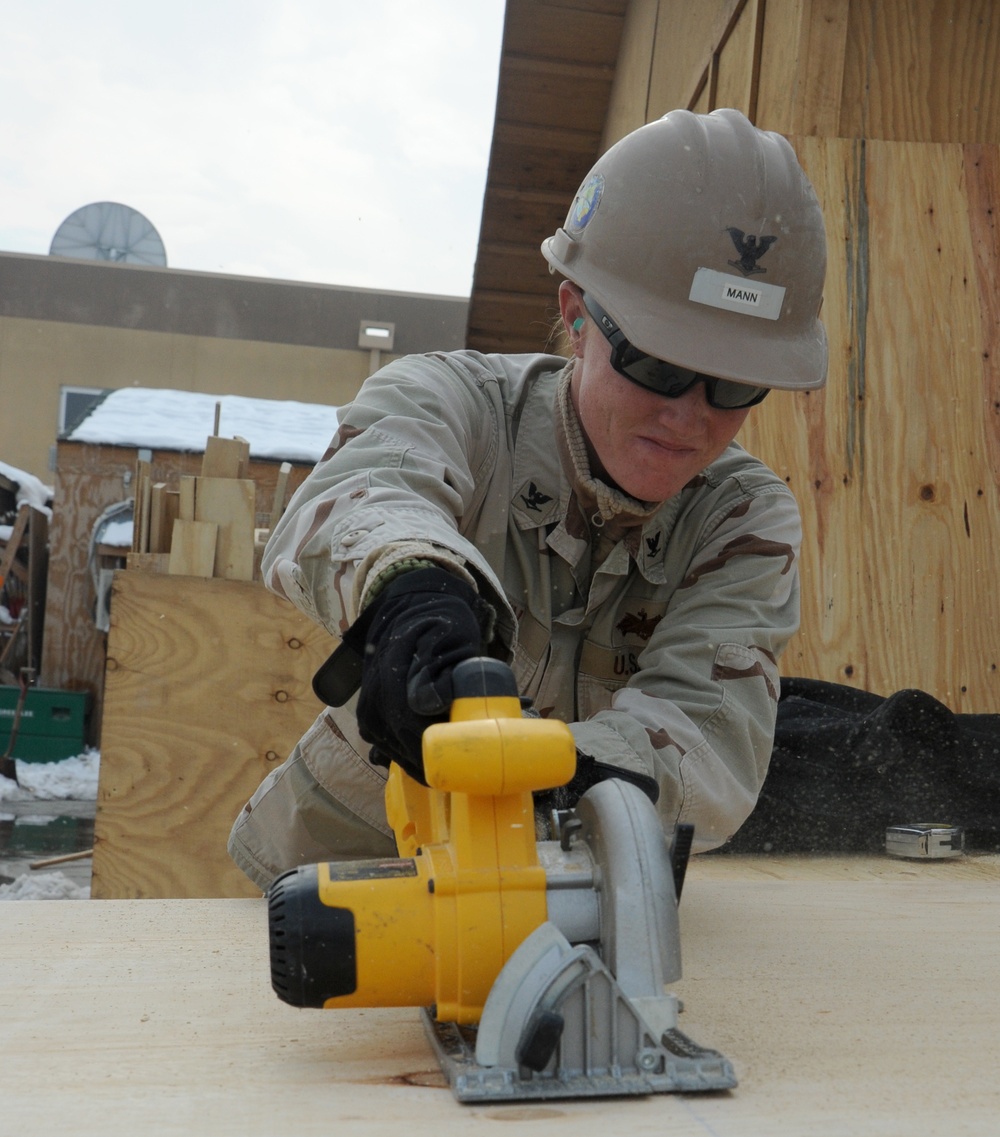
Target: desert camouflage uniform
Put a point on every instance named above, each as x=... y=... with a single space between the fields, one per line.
x=654 y=630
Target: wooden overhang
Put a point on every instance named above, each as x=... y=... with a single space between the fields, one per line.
x=557 y=66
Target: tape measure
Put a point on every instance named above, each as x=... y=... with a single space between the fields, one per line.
x=924 y=840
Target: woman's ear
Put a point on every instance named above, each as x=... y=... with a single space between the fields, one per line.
x=574 y=315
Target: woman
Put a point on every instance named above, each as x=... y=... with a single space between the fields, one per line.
x=591 y=520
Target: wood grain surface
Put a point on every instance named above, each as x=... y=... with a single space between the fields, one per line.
x=895 y=464
x=850 y=1006
x=949 y=86
x=208 y=688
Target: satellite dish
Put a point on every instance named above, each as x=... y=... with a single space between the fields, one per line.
x=107 y=231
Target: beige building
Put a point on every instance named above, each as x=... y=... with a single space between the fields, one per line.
x=72 y=328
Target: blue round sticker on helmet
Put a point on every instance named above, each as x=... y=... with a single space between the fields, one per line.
x=585 y=203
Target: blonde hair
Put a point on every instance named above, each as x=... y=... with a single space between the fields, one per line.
x=557 y=342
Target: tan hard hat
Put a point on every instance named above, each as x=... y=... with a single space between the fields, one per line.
x=703 y=238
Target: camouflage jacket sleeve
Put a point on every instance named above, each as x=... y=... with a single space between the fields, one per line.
x=413 y=454
x=698 y=712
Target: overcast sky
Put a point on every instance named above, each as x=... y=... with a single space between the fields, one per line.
x=333 y=141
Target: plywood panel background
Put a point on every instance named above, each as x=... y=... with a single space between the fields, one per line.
x=908 y=70
x=801 y=80
x=630 y=91
x=208 y=688
x=922 y=70
x=895 y=464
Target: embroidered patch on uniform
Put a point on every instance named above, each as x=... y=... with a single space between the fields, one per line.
x=534 y=499
x=653 y=545
x=733 y=293
x=585 y=203
x=638 y=624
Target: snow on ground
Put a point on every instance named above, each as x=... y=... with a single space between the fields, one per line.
x=72 y=779
x=44 y=886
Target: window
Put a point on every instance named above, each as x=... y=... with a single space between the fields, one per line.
x=75 y=403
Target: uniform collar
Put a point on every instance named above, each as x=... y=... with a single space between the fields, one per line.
x=554 y=488
x=541 y=488
x=607 y=507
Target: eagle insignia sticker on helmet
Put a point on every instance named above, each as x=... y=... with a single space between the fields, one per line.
x=751 y=248
x=585 y=205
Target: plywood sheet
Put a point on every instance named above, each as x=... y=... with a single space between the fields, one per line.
x=802 y=66
x=847 y=1007
x=894 y=463
x=738 y=63
x=225 y=457
x=924 y=71
x=208 y=687
x=627 y=105
x=948 y=88
x=686 y=36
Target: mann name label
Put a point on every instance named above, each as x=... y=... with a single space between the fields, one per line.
x=722 y=290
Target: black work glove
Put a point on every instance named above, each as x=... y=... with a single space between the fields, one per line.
x=588 y=773
x=409 y=639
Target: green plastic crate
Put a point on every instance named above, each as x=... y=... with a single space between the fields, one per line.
x=53 y=723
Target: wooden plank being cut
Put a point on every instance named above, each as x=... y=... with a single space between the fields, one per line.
x=866 y=1008
x=230 y=504
x=207 y=689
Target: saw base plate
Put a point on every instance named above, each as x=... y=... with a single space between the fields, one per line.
x=685 y=1068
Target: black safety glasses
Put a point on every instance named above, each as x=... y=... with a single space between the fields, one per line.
x=666 y=378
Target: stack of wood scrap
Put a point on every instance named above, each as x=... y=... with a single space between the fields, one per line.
x=208 y=525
